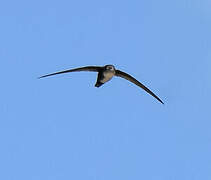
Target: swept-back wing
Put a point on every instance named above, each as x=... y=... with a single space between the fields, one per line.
x=133 y=80
x=87 y=68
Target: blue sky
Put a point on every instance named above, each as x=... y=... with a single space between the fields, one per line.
x=63 y=127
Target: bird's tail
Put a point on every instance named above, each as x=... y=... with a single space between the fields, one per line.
x=98 y=84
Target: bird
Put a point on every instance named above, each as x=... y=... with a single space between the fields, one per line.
x=105 y=74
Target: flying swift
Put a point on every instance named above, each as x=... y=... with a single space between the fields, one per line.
x=105 y=74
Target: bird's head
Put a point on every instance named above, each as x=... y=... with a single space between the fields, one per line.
x=110 y=68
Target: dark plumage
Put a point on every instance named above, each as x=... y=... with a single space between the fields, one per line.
x=105 y=73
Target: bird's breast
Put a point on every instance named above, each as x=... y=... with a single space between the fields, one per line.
x=107 y=76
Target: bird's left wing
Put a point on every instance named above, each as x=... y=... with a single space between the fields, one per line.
x=86 y=68
x=133 y=80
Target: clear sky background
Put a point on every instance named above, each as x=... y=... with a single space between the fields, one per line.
x=63 y=127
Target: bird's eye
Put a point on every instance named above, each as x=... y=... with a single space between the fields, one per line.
x=109 y=68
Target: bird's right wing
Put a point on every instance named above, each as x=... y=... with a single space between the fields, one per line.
x=86 y=68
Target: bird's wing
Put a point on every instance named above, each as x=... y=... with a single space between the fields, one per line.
x=87 y=68
x=133 y=80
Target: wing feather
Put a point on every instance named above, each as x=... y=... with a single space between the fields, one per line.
x=86 y=68
x=133 y=80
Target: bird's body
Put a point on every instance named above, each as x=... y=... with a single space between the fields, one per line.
x=105 y=74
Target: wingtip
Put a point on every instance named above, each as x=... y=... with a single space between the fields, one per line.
x=162 y=102
x=40 y=77
x=43 y=76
